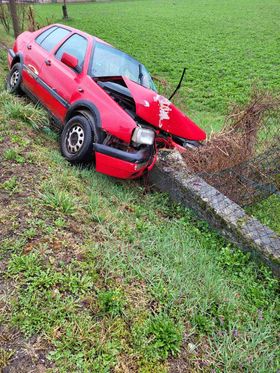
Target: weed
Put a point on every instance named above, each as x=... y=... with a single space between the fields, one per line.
x=233 y=259
x=10 y=185
x=159 y=336
x=29 y=265
x=59 y=200
x=5 y=356
x=16 y=139
x=13 y=155
x=111 y=302
x=60 y=222
x=30 y=233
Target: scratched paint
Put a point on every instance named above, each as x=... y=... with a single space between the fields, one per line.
x=164 y=108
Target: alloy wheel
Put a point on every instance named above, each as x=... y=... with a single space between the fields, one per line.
x=14 y=78
x=75 y=139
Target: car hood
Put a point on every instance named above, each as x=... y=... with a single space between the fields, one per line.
x=161 y=113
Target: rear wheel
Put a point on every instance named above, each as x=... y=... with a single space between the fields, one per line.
x=76 y=140
x=14 y=79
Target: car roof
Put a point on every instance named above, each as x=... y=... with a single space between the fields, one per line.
x=80 y=32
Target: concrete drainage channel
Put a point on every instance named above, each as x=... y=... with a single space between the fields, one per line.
x=171 y=175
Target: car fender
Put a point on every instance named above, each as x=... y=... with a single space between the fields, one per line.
x=112 y=118
x=80 y=106
x=15 y=58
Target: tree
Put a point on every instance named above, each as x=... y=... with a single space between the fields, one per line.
x=13 y=10
x=64 y=10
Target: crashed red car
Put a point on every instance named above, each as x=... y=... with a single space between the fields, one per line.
x=104 y=101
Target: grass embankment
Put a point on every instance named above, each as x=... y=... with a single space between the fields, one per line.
x=96 y=274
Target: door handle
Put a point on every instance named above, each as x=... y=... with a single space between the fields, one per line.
x=29 y=46
x=48 y=62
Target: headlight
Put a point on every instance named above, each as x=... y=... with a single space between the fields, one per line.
x=143 y=136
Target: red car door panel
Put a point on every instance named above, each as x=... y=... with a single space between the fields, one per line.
x=63 y=86
x=34 y=58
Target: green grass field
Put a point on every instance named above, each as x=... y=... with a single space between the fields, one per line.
x=226 y=46
x=97 y=275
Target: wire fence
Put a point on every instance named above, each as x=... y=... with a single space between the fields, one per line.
x=249 y=181
x=243 y=160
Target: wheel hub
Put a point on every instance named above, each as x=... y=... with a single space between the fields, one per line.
x=14 y=78
x=75 y=139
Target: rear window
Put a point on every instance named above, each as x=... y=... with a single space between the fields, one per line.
x=44 y=34
x=51 y=37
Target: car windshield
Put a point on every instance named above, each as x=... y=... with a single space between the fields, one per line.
x=108 y=61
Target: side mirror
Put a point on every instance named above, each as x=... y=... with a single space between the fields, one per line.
x=70 y=61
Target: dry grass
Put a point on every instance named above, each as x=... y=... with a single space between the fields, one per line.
x=243 y=134
x=242 y=160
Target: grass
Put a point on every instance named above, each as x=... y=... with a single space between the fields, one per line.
x=268 y=212
x=99 y=275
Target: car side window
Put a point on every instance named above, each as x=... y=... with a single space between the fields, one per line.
x=76 y=46
x=51 y=37
x=44 y=34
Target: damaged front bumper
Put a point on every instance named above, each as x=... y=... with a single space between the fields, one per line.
x=121 y=164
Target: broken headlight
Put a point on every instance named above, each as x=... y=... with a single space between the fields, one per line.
x=143 y=136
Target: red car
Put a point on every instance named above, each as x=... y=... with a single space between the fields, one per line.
x=104 y=100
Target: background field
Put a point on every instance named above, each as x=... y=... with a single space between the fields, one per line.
x=226 y=46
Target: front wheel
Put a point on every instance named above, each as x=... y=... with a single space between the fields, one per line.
x=14 y=79
x=76 y=140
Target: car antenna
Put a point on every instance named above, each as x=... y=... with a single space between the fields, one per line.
x=179 y=85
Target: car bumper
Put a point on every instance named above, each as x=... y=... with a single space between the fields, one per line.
x=121 y=164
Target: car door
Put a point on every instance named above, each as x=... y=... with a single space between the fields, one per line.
x=64 y=81
x=36 y=55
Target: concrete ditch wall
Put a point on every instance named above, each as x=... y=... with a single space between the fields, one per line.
x=171 y=175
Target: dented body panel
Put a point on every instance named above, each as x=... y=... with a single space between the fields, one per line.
x=161 y=113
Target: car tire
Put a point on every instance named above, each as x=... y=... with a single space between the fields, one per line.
x=76 y=140
x=14 y=79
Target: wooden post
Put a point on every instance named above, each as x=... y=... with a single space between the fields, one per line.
x=64 y=10
x=13 y=10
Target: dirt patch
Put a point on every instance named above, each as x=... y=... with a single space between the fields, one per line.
x=25 y=355
x=191 y=355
